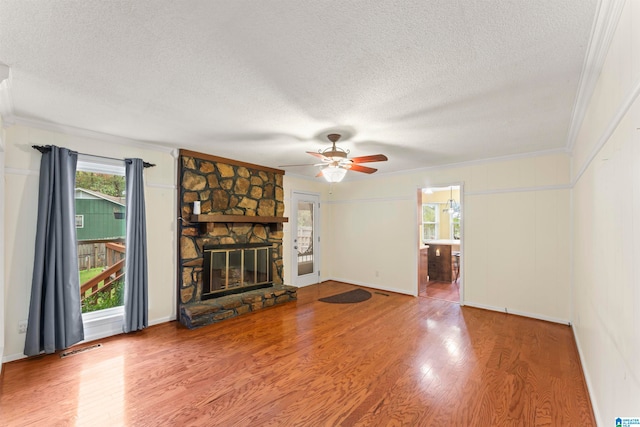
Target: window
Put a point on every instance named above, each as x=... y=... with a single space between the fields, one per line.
x=99 y=197
x=455 y=227
x=430 y=221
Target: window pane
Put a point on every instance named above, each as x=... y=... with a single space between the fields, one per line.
x=429 y=232
x=456 y=228
x=430 y=221
x=100 y=218
x=428 y=213
x=305 y=238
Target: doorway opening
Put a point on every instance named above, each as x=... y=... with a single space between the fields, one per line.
x=440 y=243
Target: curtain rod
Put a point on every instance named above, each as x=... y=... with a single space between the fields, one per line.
x=46 y=148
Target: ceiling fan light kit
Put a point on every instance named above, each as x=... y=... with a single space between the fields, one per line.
x=335 y=162
x=333 y=173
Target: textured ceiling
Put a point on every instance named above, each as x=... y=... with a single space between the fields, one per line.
x=425 y=82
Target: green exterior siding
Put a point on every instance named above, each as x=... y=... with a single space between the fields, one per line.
x=99 y=221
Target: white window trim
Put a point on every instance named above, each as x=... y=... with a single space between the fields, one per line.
x=110 y=321
x=103 y=323
x=437 y=221
x=100 y=165
x=451 y=224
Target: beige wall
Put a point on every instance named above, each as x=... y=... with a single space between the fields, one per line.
x=22 y=164
x=606 y=239
x=515 y=223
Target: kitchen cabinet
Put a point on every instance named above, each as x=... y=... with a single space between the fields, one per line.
x=423 y=269
x=439 y=262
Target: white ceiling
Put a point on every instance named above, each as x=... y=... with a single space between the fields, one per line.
x=425 y=82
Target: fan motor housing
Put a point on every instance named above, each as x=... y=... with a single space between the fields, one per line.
x=335 y=154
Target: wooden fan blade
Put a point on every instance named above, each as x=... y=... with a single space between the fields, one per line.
x=319 y=174
x=365 y=169
x=371 y=158
x=318 y=155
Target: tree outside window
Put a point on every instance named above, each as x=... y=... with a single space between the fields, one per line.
x=430 y=221
x=455 y=227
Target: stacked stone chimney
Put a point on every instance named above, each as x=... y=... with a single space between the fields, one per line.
x=227 y=187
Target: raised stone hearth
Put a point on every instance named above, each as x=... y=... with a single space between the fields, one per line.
x=211 y=311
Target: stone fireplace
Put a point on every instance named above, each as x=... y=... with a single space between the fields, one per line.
x=231 y=269
x=230 y=253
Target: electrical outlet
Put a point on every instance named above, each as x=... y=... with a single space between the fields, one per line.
x=22 y=327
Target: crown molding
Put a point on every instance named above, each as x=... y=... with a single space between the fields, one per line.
x=304 y=177
x=6 y=105
x=602 y=32
x=6 y=102
x=85 y=133
x=360 y=177
x=477 y=162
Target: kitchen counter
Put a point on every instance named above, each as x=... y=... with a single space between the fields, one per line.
x=440 y=242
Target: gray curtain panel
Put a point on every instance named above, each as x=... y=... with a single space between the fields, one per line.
x=55 y=314
x=135 y=278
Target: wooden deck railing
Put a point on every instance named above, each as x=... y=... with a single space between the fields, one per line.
x=307 y=255
x=113 y=273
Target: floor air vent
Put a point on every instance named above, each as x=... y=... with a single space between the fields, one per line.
x=79 y=350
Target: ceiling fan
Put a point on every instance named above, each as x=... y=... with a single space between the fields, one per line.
x=335 y=162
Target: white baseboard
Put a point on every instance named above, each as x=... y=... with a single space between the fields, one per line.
x=97 y=330
x=108 y=327
x=369 y=285
x=162 y=320
x=11 y=357
x=587 y=377
x=517 y=312
x=305 y=285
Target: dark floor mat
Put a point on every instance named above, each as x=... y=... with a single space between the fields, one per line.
x=350 y=297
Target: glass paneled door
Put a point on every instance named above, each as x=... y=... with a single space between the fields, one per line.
x=306 y=240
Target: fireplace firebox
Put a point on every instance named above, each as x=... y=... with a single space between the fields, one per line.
x=230 y=269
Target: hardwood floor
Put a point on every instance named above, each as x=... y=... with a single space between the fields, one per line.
x=448 y=291
x=391 y=360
